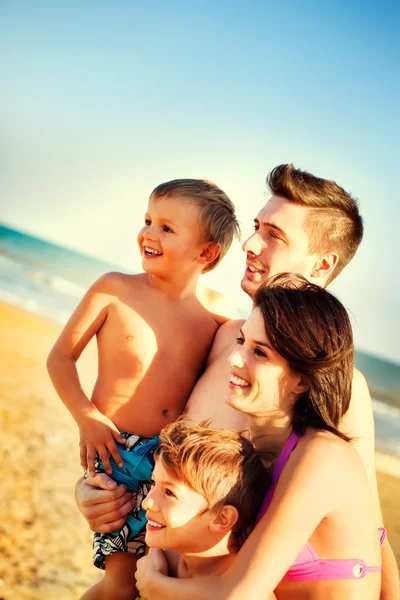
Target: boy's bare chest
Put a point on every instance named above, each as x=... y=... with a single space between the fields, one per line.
x=144 y=331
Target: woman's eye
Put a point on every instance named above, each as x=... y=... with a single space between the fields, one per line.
x=259 y=352
x=240 y=341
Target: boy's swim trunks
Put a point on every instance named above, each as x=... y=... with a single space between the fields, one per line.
x=138 y=459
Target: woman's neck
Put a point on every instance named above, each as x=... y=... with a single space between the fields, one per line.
x=269 y=434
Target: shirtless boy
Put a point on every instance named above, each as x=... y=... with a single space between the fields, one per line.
x=310 y=226
x=195 y=513
x=154 y=331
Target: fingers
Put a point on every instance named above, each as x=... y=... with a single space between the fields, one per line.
x=105 y=459
x=104 y=482
x=82 y=453
x=113 y=520
x=112 y=447
x=118 y=437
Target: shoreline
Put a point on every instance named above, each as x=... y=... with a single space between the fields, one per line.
x=44 y=541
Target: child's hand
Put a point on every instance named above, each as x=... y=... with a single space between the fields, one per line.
x=98 y=434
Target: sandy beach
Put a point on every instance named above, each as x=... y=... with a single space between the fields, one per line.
x=44 y=542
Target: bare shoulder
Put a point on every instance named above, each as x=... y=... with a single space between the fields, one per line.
x=115 y=280
x=225 y=338
x=323 y=451
x=219 y=305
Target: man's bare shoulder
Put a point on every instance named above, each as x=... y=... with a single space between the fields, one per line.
x=225 y=338
x=218 y=304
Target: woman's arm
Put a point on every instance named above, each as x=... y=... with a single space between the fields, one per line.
x=307 y=491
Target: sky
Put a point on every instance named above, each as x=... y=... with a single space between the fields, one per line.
x=102 y=101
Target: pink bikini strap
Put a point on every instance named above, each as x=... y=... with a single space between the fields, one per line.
x=383 y=534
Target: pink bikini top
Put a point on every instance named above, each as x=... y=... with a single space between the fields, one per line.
x=308 y=565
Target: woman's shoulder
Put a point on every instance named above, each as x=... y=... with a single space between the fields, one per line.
x=322 y=450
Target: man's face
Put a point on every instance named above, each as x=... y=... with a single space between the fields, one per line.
x=279 y=244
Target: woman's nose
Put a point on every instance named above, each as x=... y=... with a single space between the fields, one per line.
x=235 y=359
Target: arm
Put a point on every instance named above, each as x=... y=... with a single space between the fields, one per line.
x=97 y=433
x=358 y=423
x=104 y=504
x=307 y=491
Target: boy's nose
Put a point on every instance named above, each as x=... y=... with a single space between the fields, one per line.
x=254 y=244
x=148 y=502
x=149 y=234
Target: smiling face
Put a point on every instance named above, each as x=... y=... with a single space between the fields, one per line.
x=261 y=382
x=178 y=517
x=171 y=240
x=279 y=244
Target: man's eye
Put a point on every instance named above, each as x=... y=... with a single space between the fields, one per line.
x=259 y=352
x=274 y=235
x=240 y=340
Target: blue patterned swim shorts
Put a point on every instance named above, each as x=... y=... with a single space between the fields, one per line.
x=138 y=459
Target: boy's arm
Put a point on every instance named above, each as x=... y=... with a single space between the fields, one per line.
x=358 y=423
x=97 y=432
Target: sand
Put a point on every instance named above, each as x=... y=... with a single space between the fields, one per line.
x=45 y=544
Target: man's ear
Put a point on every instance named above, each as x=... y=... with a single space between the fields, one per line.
x=225 y=520
x=324 y=267
x=209 y=253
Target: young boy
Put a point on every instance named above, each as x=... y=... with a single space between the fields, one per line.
x=154 y=331
x=208 y=485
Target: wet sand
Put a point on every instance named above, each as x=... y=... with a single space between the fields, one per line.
x=45 y=544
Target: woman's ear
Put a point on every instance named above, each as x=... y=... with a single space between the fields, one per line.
x=301 y=386
x=225 y=520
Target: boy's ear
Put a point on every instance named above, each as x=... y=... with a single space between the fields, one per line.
x=209 y=253
x=324 y=267
x=225 y=520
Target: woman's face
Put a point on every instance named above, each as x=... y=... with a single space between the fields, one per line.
x=261 y=382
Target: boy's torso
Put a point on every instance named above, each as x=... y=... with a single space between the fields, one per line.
x=151 y=351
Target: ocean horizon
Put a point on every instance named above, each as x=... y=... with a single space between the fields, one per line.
x=49 y=279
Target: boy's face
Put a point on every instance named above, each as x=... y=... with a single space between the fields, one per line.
x=178 y=517
x=171 y=239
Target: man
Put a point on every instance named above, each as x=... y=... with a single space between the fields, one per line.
x=309 y=226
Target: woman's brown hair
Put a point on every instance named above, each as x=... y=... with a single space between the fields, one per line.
x=311 y=329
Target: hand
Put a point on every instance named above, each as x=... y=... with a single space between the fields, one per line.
x=147 y=569
x=98 y=434
x=104 y=504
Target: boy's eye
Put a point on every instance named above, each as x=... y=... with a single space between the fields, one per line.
x=167 y=229
x=147 y=222
x=169 y=493
x=256 y=227
x=240 y=340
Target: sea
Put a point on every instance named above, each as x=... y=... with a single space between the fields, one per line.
x=48 y=279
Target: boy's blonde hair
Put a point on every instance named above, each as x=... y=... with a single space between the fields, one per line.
x=221 y=465
x=217 y=217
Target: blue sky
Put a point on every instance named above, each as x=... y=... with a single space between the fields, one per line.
x=102 y=101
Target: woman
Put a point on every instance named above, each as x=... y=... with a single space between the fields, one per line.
x=315 y=537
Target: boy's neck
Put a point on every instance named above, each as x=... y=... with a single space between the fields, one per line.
x=178 y=288
x=213 y=562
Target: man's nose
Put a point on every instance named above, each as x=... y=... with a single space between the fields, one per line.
x=254 y=244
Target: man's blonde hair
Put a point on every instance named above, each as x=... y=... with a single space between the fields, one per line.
x=221 y=465
x=217 y=219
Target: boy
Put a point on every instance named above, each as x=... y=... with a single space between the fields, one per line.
x=208 y=485
x=154 y=331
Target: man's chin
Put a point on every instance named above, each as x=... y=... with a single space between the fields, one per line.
x=249 y=287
